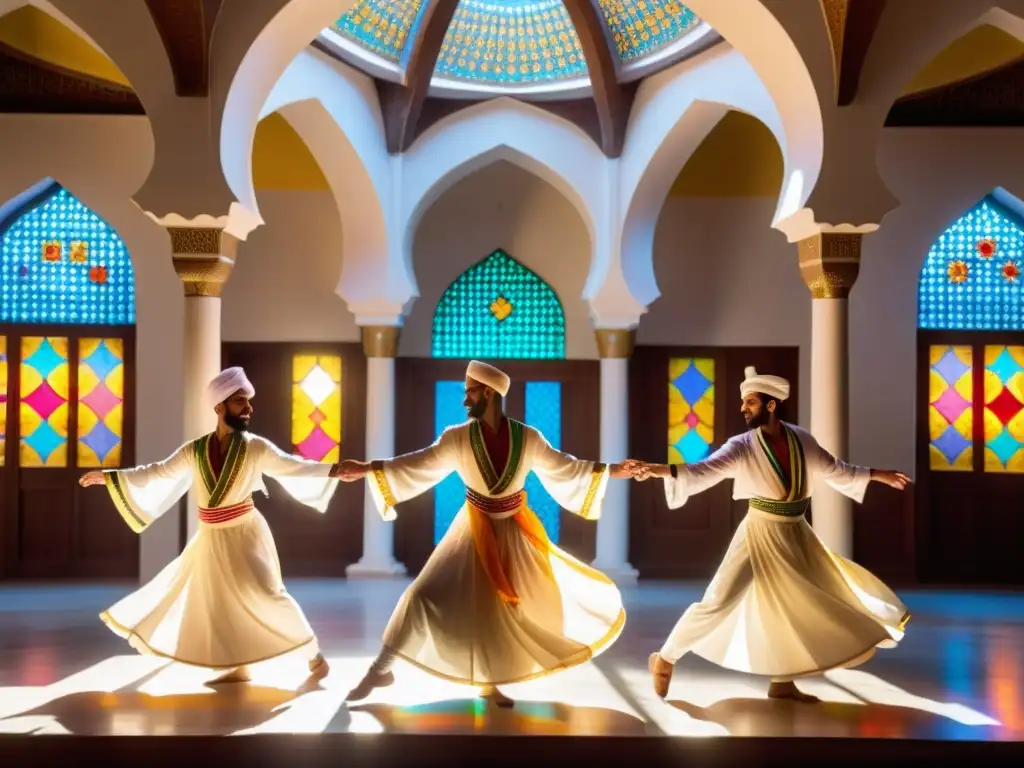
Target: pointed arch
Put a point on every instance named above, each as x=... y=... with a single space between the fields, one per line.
x=499 y=309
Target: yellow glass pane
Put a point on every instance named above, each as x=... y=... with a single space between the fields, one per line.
x=3 y=399
x=100 y=402
x=43 y=405
x=316 y=406
x=951 y=408
x=691 y=408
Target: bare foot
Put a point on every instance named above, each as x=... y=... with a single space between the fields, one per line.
x=237 y=675
x=494 y=696
x=790 y=691
x=371 y=680
x=661 y=674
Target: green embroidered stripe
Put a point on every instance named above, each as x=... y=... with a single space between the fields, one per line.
x=771 y=458
x=796 y=457
x=233 y=463
x=202 y=448
x=483 y=461
x=515 y=456
x=781 y=508
x=122 y=503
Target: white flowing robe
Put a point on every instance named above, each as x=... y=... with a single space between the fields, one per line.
x=221 y=603
x=782 y=604
x=454 y=620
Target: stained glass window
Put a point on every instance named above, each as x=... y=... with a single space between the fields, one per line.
x=61 y=263
x=499 y=309
x=44 y=402
x=3 y=399
x=450 y=492
x=691 y=408
x=544 y=411
x=1004 y=408
x=316 y=407
x=381 y=27
x=950 y=408
x=100 y=402
x=640 y=29
x=971 y=278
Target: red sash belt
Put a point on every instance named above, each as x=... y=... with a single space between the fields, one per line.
x=224 y=514
x=495 y=506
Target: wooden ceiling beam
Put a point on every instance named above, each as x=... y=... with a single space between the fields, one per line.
x=612 y=99
x=186 y=28
x=402 y=103
x=851 y=27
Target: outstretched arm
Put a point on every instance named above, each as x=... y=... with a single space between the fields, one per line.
x=684 y=480
x=308 y=482
x=576 y=485
x=850 y=479
x=142 y=494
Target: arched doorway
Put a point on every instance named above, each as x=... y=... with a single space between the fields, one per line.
x=970 y=449
x=500 y=311
x=67 y=350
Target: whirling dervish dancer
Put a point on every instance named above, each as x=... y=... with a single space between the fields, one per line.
x=781 y=604
x=221 y=603
x=497 y=603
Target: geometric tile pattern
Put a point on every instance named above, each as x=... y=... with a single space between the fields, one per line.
x=61 y=263
x=316 y=407
x=450 y=493
x=544 y=412
x=985 y=239
x=499 y=309
x=691 y=409
x=951 y=408
x=515 y=42
x=1004 y=408
x=43 y=408
x=3 y=399
x=100 y=402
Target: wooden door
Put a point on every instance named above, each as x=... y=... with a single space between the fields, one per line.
x=308 y=543
x=696 y=391
x=970 y=457
x=417 y=388
x=69 y=406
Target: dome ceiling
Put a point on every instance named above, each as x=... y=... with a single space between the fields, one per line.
x=521 y=46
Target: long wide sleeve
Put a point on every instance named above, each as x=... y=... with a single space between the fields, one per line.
x=392 y=481
x=308 y=482
x=693 y=478
x=848 y=479
x=577 y=485
x=142 y=494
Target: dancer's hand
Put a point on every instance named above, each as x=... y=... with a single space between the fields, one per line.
x=92 y=478
x=630 y=467
x=892 y=478
x=350 y=470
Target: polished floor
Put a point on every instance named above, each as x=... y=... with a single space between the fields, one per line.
x=957 y=676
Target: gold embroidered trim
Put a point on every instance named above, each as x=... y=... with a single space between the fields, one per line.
x=381 y=478
x=595 y=481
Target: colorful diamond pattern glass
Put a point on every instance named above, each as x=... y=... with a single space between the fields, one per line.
x=35 y=288
x=515 y=42
x=450 y=492
x=43 y=409
x=466 y=327
x=3 y=399
x=1004 y=408
x=691 y=409
x=316 y=407
x=544 y=411
x=985 y=299
x=950 y=408
x=100 y=402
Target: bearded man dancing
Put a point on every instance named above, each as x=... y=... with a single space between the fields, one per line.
x=221 y=604
x=781 y=604
x=497 y=603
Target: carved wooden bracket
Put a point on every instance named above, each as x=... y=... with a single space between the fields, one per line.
x=186 y=27
x=851 y=27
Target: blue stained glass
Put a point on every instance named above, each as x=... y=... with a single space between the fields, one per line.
x=692 y=447
x=692 y=384
x=450 y=492
x=640 y=29
x=1004 y=446
x=544 y=412
x=102 y=361
x=45 y=359
x=101 y=440
x=991 y=296
x=499 y=309
x=951 y=443
x=951 y=367
x=44 y=440
x=85 y=277
x=1005 y=366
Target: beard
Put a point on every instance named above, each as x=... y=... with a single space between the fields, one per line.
x=758 y=420
x=237 y=423
x=478 y=409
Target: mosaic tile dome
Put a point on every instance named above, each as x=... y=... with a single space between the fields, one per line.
x=508 y=43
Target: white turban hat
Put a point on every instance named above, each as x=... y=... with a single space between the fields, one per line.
x=774 y=387
x=489 y=375
x=226 y=383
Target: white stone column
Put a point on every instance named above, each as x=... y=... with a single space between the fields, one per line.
x=829 y=263
x=612 y=557
x=380 y=343
x=203 y=259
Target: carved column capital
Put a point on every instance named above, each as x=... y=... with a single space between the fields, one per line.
x=381 y=340
x=615 y=342
x=830 y=263
x=203 y=258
